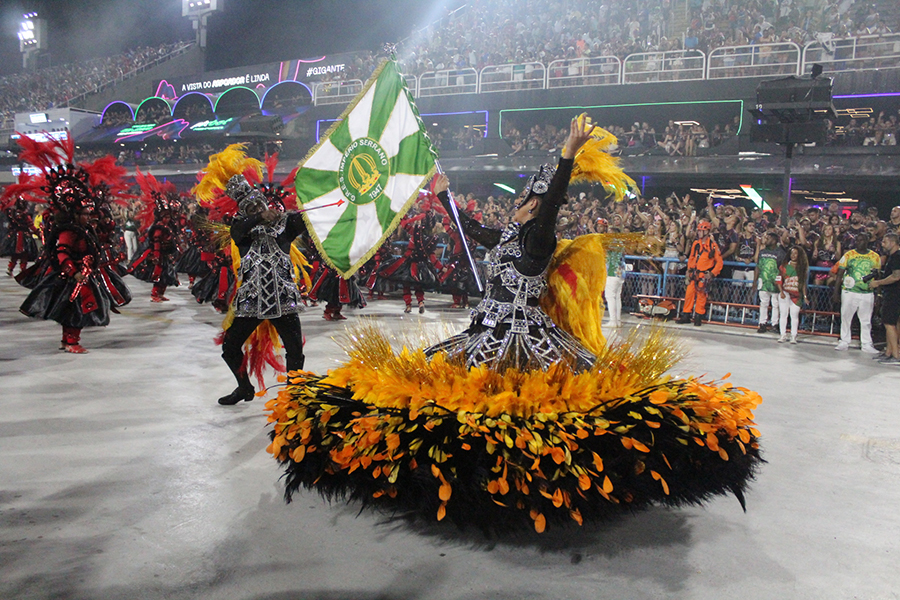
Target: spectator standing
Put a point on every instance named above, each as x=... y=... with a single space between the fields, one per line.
x=704 y=263
x=792 y=279
x=615 y=276
x=890 y=300
x=130 y=228
x=893 y=224
x=768 y=259
x=855 y=294
x=747 y=247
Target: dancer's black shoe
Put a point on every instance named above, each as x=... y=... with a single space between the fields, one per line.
x=239 y=394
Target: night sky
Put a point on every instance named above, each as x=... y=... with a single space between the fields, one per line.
x=247 y=32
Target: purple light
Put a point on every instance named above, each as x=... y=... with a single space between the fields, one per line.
x=886 y=94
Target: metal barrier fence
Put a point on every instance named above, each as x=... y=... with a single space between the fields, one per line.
x=336 y=92
x=730 y=300
x=754 y=61
x=675 y=65
x=578 y=72
x=448 y=82
x=502 y=78
x=859 y=53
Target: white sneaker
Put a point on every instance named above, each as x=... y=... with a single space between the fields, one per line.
x=794 y=340
x=870 y=350
x=782 y=339
x=842 y=347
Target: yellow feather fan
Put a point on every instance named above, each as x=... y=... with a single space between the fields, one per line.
x=593 y=164
x=576 y=278
x=231 y=161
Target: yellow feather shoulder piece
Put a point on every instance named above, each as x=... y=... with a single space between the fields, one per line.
x=593 y=164
x=576 y=278
x=231 y=161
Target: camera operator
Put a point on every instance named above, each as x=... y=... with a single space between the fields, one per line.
x=890 y=301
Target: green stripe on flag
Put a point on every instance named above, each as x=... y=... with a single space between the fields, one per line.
x=413 y=157
x=340 y=137
x=315 y=183
x=387 y=88
x=384 y=212
x=340 y=238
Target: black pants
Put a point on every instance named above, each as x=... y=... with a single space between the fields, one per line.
x=288 y=328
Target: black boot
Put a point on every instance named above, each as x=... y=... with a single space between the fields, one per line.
x=683 y=319
x=697 y=320
x=239 y=394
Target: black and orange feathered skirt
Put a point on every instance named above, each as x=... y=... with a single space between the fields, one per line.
x=426 y=438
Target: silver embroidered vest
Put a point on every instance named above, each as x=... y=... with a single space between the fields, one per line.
x=511 y=297
x=267 y=289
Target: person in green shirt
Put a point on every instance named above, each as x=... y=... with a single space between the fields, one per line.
x=767 y=260
x=854 y=293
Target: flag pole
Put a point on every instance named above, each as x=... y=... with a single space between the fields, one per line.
x=462 y=236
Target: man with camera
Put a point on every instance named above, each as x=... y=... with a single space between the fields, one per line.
x=852 y=290
x=890 y=300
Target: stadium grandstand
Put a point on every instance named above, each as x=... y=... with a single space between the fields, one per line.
x=675 y=82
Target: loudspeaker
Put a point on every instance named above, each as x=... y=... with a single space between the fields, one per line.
x=812 y=132
x=262 y=124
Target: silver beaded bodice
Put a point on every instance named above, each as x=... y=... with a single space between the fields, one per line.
x=508 y=291
x=267 y=288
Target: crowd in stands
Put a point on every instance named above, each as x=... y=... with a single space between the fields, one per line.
x=497 y=32
x=54 y=86
x=682 y=139
x=874 y=131
x=195 y=153
x=825 y=233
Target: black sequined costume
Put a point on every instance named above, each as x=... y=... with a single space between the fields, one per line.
x=508 y=326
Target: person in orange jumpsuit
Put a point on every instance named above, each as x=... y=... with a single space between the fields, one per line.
x=704 y=263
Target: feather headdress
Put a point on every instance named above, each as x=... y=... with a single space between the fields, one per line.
x=212 y=181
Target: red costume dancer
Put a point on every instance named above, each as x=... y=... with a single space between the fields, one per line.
x=417 y=269
x=195 y=240
x=71 y=284
x=370 y=270
x=19 y=244
x=704 y=263
x=160 y=220
x=457 y=278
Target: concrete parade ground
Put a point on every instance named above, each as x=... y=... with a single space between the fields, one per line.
x=121 y=478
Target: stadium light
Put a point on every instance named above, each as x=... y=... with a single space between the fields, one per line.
x=198 y=12
x=32 y=36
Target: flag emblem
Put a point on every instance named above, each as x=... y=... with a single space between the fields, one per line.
x=364 y=171
x=377 y=157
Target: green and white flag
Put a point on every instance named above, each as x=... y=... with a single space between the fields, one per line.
x=376 y=158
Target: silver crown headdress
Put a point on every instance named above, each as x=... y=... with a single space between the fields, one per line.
x=539 y=183
x=246 y=196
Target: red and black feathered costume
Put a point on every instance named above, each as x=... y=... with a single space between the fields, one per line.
x=329 y=287
x=160 y=219
x=457 y=279
x=370 y=271
x=71 y=283
x=218 y=285
x=418 y=268
x=196 y=240
x=19 y=244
